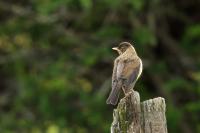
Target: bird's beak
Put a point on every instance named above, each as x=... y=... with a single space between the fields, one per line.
x=115 y=48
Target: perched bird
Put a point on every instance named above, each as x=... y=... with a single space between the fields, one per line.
x=127 y=69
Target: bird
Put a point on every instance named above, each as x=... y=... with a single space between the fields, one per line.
x=126 y=71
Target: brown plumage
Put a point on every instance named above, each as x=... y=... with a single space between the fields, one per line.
x=127 y=69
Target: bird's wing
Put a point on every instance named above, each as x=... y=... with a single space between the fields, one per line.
x=128 y=71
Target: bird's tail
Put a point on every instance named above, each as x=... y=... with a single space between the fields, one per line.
x=114 y=96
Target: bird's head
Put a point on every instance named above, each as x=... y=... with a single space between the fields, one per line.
x=122 y=47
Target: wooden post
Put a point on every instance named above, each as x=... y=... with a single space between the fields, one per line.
x=131 y=116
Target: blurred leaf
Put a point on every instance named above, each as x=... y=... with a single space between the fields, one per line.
x=48 y=6
x=173 y=117
x=196 y=76
x=36 y=130
x=114 y=4
x=85 y=84
x=144 y=36
x=23 y=40
x=193 y=107
x=176 y=84
x=86 y=4
x=192 y=32
x=191 y=39
x=52 y=129
x=137 y=4
x=110 y=31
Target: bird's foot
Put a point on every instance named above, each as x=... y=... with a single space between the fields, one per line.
x=128 y=93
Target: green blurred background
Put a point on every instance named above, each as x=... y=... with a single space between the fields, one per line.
x=56 y=61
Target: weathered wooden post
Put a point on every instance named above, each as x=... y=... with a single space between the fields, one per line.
x=131 y=116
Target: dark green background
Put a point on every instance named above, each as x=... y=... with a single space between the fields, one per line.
x=56 y=61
